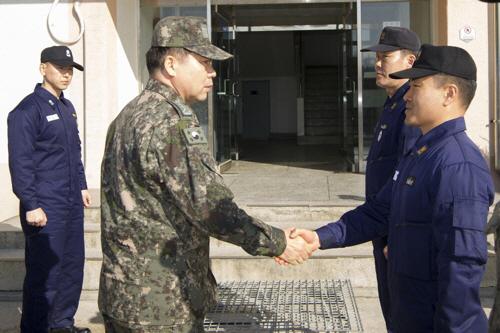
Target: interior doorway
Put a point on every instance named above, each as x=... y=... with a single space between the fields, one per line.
x=255 y=110
x=321 y=89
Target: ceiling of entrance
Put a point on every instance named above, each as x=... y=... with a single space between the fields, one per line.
x=286 y=15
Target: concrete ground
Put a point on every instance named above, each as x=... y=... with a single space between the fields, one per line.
x=268 y=173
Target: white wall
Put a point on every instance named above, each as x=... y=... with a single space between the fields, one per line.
x=475 y=14
x=111 y=80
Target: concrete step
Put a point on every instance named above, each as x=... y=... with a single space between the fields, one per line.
x=12 y=237
x=321 y=130
x=320 y=106
x=320 y=91
x=329 y=97
x=92 y=215
x=322 y=114
x=12 y=269
x=321 y=70
x=318 y=140
x=314 y=122
x=332 y=85
x=229 y=262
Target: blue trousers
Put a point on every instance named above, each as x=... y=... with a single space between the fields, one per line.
x=382 y=281
x=54 y=259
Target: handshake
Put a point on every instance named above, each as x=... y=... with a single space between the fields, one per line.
x=301 y=243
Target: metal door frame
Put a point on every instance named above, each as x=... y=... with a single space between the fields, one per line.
x=209 y=3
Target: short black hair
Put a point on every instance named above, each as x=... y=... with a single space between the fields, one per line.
x=156 y=56
x=466 y=87
x=406 y=52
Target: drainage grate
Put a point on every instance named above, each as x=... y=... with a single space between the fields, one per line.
x=285 y=306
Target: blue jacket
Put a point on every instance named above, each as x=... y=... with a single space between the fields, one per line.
x=390 y=139
x=45 y=151
x=434 y=210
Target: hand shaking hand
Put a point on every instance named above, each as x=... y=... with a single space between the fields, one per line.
x=300 y=245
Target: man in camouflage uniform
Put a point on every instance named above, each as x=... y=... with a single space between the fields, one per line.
x=162 y=196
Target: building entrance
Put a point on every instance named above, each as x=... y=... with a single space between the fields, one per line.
x=315 y=86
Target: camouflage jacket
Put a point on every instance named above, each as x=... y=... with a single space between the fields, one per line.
x=161 y=199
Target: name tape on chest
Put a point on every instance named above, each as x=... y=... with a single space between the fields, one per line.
x=195 y=136
x=52 y=117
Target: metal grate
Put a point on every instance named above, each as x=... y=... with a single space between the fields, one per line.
x=285 y=306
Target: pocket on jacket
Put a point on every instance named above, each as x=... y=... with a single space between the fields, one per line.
x=412 y=247
x=469 y=241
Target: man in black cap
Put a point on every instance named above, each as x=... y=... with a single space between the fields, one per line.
x=395 y=51
x=47 y=174
x=435 y=207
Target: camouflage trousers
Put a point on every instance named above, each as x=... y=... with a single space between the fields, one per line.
x=114 y=326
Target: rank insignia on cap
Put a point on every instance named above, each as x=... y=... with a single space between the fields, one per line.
x=382 y=36
x=393 y=106
x=421 y=150
x=410 y=181
x=418 y=54
x=195 y=136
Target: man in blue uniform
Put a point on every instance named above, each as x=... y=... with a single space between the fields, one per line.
x=47 y=173
x=435 y=207
x=395 y=52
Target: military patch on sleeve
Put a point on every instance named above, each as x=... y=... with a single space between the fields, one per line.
x=195 y=136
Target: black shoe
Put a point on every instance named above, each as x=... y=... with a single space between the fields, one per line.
x=70 y=329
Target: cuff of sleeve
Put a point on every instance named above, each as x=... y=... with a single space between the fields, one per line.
x=327 y=238
x=280 y=237
x=31 y=205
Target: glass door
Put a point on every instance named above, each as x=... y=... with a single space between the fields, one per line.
x=351 y=139
x=225 y=97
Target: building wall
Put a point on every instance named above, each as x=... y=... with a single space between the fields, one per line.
x=462 y=13
x=109 y=52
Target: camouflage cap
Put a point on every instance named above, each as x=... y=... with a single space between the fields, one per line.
x=189 y=32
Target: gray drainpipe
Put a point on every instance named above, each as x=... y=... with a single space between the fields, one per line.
x=496 y=121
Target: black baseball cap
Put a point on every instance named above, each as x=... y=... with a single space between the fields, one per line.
x=59 y=55
x=440 y=59
x=395 y=38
